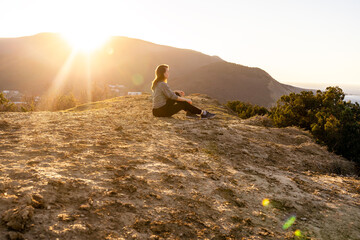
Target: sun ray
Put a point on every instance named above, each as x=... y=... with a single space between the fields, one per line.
x=88 y=79
x=58 y=83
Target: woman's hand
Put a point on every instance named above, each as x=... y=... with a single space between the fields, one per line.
x=181 y=93
x=188 y=100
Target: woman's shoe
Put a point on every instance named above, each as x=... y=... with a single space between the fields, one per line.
x=207 y=115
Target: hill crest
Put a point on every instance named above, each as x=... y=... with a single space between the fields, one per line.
x=141 y=177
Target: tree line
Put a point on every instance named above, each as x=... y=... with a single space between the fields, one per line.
x=56 y=102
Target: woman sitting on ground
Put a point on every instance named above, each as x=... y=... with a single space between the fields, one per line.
x=167 y=102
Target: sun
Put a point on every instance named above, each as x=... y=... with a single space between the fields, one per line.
x=86 y=42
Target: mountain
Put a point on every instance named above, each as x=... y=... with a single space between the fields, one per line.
x=29 y=64
x=35 y=63
x=110 y=170
x=228 y=81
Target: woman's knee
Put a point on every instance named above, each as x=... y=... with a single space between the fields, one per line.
x=183 y=105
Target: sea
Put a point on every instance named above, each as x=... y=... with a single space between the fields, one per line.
x=353 y=98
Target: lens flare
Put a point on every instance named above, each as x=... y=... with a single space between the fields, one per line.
x=137 y=79
x=110 y=51
x=297 y=233
x=289 y=222
x=266 y=202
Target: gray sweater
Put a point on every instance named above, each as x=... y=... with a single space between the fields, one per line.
x=161 y=93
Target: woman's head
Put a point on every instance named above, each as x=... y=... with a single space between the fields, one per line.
x=161 y=75
x=161 y=71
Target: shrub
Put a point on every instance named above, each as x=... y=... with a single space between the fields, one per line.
x=29 y=104
x=62 y=102
x=246 y=110
x=330 y=119
x=97 y=93
x=6 y=105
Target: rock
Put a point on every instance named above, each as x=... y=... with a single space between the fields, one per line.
x=85 y=207
x=26 y=200
x=35 y=200
x=248 y=222
x=17 y=218
x=159 y=227
x=15 y=236
x=42 y=236
x=2 y=187
x=4 y=124
x=67 y=217
x=119 y=128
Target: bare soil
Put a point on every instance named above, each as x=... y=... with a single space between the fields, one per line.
x=110 y=170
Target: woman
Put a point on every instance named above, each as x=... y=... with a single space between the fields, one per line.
x=167 y=102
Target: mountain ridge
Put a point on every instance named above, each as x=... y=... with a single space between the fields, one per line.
x=32 y=64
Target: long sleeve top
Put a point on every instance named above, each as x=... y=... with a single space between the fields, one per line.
x=161 y=93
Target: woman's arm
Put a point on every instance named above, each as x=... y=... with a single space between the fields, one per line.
x=182 y=99
x=170 y=94
x=181 y=96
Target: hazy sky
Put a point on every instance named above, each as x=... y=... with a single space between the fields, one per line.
x=314 y=42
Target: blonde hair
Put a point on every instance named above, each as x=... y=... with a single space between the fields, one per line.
x=159 y=75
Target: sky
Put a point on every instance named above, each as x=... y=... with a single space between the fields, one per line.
x=306 y=43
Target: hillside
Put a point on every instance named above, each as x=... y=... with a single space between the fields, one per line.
x=31 y=64
x=228 y=81
x=110 y=170
x=40 y=58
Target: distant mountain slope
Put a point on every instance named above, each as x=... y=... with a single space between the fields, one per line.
x=133 y=58
x=110 y=170
x=229 y=81
x=30 y=64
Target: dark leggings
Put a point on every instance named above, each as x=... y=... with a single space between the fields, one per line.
x=171 y=107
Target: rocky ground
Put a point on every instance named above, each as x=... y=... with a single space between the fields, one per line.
x=110 y=170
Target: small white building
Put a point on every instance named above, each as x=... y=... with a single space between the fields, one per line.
x=134 y=93
x=13 y=95
x=117 y=89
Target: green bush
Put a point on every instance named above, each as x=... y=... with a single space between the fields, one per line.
x=6 y=105
x=330 y=119
x=246 y=110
